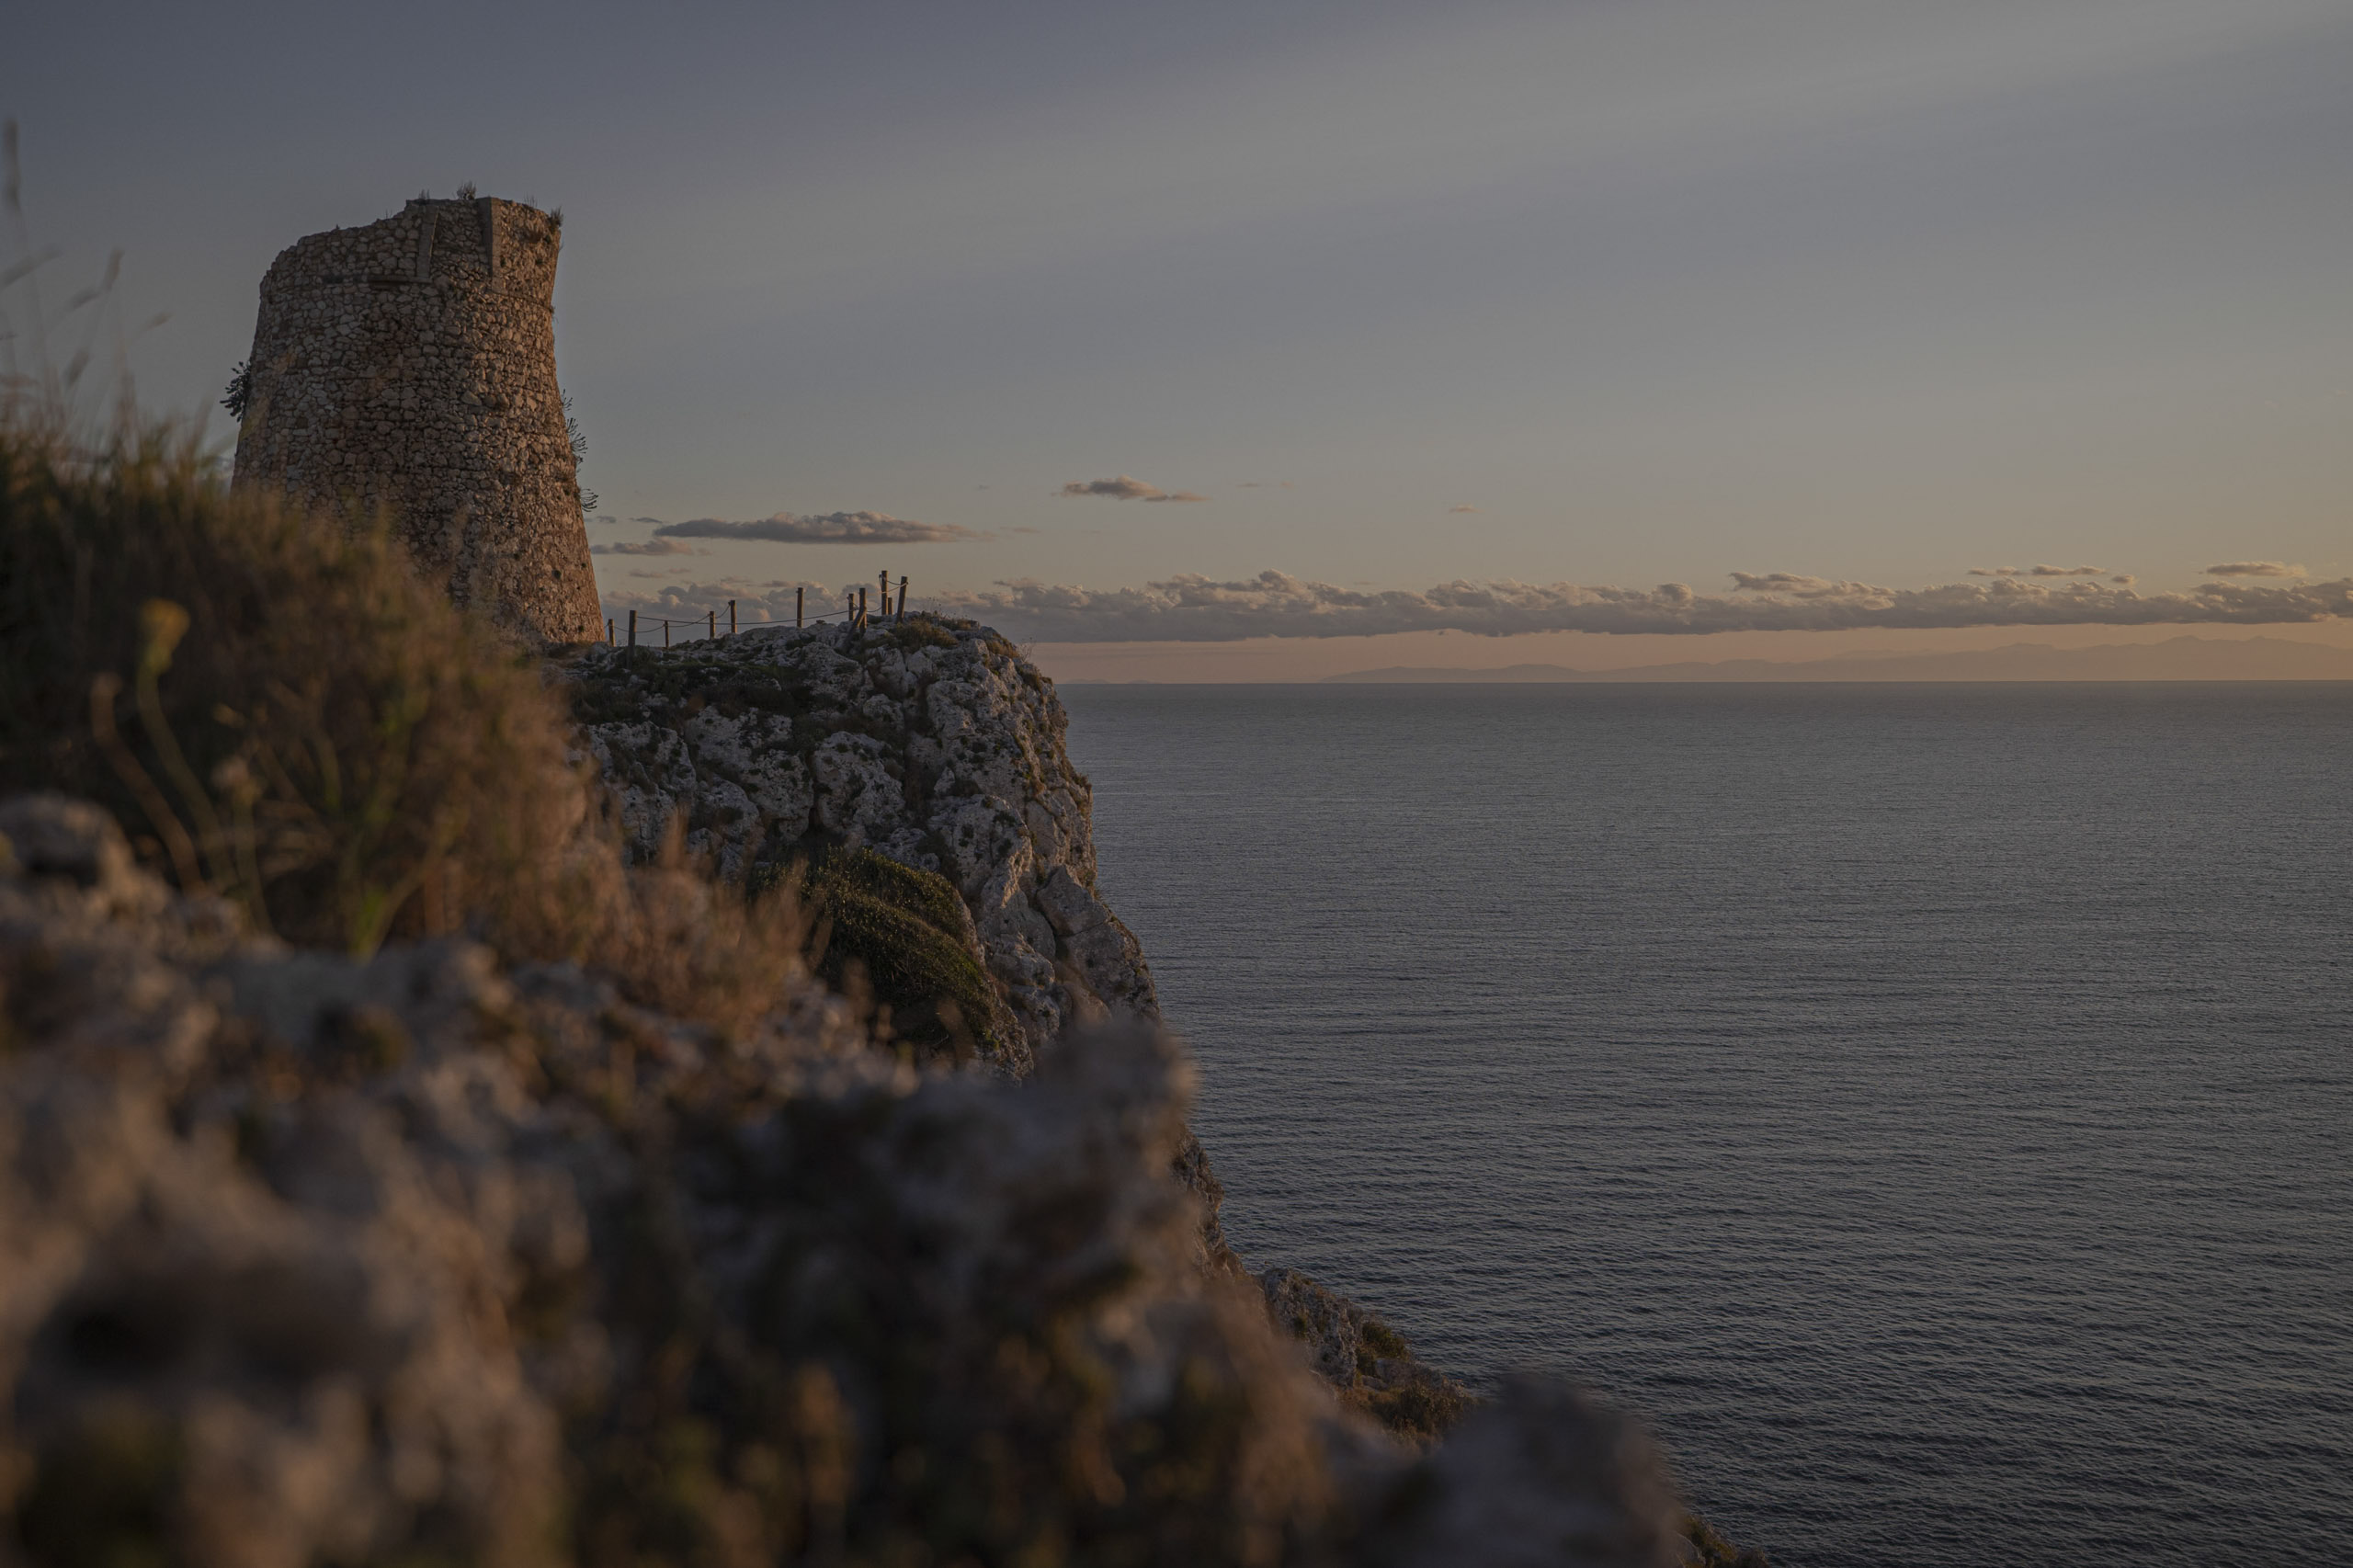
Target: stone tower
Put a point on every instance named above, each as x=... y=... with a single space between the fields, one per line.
x=411 y=364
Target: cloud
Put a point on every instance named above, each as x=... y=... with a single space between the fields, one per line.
x=1125 y=489
x=1264 y=484
x=2036 y=571
x=649 y=547
x=2253 y=569
x=1452 y=511
x=831 y=527
x=1119 y=489
x=1794 y=584
x=1274 y=603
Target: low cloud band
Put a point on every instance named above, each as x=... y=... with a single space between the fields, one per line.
x=1274 y=603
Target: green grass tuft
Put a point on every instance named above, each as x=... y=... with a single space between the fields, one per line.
x=921 y=631
x=901 y=933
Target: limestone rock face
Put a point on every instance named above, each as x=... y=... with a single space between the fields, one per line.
x=410 y=364
x=933 y=743
x=938 y=745
x=1362 y=1357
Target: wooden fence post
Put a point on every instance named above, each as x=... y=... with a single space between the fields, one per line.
x=665 y=631
x=714 y=624
x=632 y=628
x=731 y=618
x=902 y=598
x=800 y=602
x=608 y=631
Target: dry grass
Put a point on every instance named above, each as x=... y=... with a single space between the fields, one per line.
x=279 y=711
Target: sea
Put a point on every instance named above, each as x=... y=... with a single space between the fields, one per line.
x=1930 y=1108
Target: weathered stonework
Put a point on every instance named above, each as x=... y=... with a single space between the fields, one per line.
x=409 y=365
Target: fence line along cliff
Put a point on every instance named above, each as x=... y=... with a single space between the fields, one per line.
x=409 y=365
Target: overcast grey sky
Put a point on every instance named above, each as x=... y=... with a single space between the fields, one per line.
x=1602 y=293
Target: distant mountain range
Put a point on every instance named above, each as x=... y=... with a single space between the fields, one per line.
x=2179 y=658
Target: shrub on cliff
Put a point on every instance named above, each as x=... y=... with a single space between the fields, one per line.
x=902 y=936
x=281 y=712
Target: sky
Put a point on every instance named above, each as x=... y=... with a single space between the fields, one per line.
x=1247 y=341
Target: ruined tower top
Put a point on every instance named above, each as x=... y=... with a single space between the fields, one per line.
x=411 y=364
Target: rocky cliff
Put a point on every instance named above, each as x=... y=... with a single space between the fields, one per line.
x=932 y=742
x=310 y=1259
x=420 y=1182
x=937 y=744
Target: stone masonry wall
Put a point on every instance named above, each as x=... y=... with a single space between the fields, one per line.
x=410 y=364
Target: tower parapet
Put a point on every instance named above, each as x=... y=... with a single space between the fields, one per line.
x=410 y=364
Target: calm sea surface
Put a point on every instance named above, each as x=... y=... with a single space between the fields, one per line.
x=1932 y=1107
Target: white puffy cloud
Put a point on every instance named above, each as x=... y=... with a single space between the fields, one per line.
x=1194 y=609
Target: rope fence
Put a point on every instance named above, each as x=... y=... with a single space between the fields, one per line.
x=853 y=613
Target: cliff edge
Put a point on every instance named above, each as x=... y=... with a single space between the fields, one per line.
x=931 y=742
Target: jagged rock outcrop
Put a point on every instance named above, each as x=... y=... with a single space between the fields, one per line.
x=935 y=744
x=305 y=1259
x=932 y=742
x=1362 y=1356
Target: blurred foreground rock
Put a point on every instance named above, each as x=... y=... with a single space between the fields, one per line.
x=310 y=1260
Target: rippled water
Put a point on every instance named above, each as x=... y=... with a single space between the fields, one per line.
x=1932 y=1107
